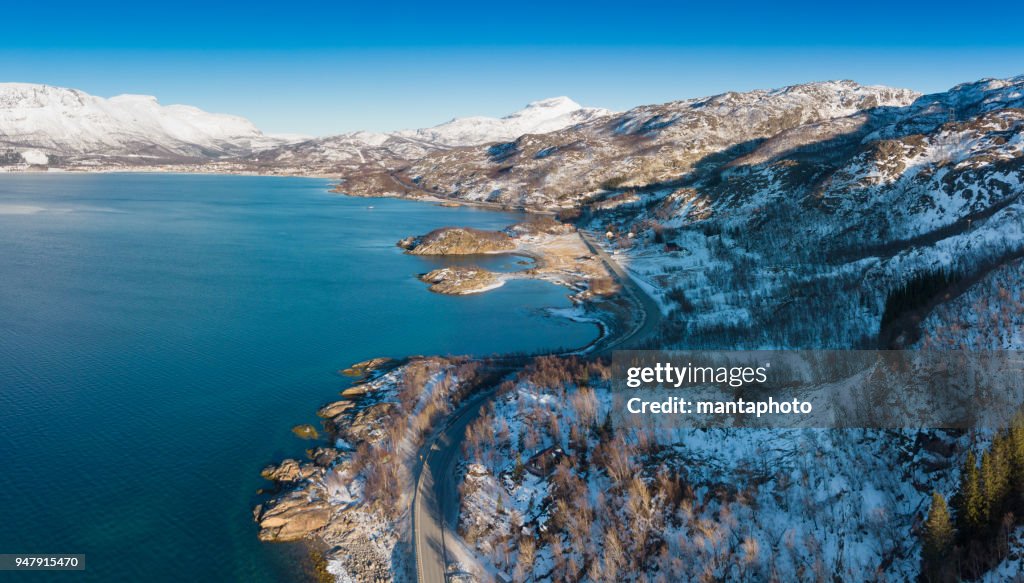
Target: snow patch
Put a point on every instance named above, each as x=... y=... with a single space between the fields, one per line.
x=35 y=157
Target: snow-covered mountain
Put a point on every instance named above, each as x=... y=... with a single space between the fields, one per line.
x=539 y=117
x=361 y=151
x=56 y=126
x=44 y=122
x=647 y=144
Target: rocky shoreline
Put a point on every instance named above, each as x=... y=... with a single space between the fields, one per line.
x=351 y=496
x=320 y=500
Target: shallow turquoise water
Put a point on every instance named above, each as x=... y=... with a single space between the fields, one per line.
x=160 y=335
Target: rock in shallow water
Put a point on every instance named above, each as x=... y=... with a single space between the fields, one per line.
x=306 y=431
x=323 y=456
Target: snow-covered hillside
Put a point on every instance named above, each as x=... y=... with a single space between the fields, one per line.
x=54 y=122
x=647 y=144
x=550 y=493
x=799 y=242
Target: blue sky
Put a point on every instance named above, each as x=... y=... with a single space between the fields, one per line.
x=322 y=68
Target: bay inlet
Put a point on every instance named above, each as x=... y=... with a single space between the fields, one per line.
x=160 y=335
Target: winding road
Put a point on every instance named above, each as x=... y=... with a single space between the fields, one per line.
x=435 y=503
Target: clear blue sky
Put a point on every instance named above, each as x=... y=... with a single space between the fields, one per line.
x=322 y=68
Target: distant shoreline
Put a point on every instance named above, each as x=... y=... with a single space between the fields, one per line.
x=159 y=170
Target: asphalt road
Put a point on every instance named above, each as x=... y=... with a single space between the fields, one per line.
x=435 y=504
x=649 y=312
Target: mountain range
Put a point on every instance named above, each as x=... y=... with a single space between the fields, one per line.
x=59 y=127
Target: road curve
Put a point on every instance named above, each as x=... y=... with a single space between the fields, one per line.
x=435 y=499
x=435 y=502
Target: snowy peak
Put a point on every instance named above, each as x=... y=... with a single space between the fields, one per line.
x=547 y=108
x=984 y=95
x=28 y=96
x=69 y=122
x=538 y=117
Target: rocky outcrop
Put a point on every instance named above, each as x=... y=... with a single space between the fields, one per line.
x=303 y=508
x=287 y=471
x=293 y=516
x=458 y=241
x=356 y=390
x=542 y=225
x=368 y=424
x=326 y=499
x=323 y=457
x=332 y=410
x=364 y=368
x=461 y=280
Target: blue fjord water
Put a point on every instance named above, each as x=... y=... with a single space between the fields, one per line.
x=161 y=334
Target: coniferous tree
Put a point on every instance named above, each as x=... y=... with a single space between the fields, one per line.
x=1017 y=456
x=988 y=487
x=1000 y=488
x=937 y=540
x=971 y=511
x=988 y=502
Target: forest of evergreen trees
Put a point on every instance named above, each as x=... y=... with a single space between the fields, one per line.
x=987 y=506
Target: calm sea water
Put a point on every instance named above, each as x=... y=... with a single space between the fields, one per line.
x=161 y=334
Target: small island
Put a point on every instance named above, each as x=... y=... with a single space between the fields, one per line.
x=460 y=280
x=458 y=241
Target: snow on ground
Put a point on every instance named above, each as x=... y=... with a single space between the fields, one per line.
x=1011 y=569
x=988 y=316
x=35 y=157
x=788 y=504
